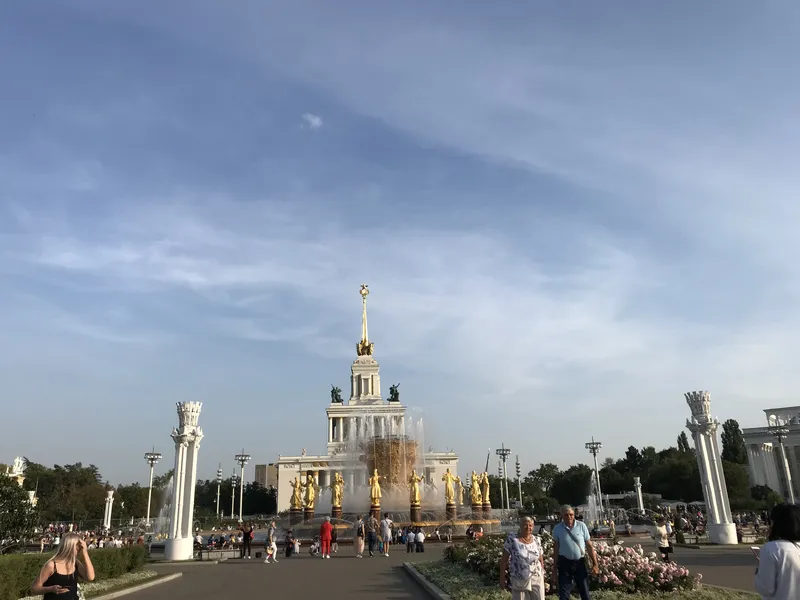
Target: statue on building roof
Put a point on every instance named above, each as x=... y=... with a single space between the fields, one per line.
x=394 y=393
x=336 y=395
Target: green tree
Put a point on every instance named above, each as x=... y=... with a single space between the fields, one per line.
x=737 y=482
x=17 y=516
x=765 y=496
x=134 y=498
x=572 y=486
x=733 y=447
x=543 y=477
x=614 y=482
x=633 y=460
x=675 y=479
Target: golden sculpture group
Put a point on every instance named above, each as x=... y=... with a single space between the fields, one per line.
x=304 y=494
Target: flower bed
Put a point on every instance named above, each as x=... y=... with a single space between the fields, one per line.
x=461 y=583
x=622 y=568
x=17 y=571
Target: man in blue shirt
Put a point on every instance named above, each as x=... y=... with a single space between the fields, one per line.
x=572 y=544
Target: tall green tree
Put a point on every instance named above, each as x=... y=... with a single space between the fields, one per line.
x=572 y=486
x=733 y=447
x=543 y=477
x=633 y=462
x=17 y=516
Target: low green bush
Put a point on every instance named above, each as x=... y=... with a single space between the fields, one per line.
x=17 y=571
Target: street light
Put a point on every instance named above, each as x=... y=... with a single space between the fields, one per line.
x=152 y=458
x=594 y=448
x=242 y=460
x=781 y=432
x=503 y=453
x=500 y=478
x=219 y=483
x=233 y=491
x=519 y=481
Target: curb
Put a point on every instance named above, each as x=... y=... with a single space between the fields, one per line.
x=434 y=591
x=142 y=586
x=183 y=563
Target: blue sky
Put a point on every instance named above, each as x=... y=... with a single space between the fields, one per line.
x=568 y=215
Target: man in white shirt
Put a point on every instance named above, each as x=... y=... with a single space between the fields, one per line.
x=420 y=541
x=386 y=533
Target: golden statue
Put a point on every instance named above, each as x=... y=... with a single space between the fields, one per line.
x=459 y=491
x=449 y=491
x=485 y=487
x=297 y=499
x=475 y=489
x=413 y=487
x=375 y=488
x=337 y=490
x=311 y=489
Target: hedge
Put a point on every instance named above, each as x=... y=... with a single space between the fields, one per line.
x=17 y=571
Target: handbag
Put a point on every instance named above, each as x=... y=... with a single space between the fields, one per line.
x=586 y=558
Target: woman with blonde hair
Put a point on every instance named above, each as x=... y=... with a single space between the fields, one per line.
x=59 y=575
x=522 y=565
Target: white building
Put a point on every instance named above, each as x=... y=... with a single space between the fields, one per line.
x=365 y=415
x=765 y=459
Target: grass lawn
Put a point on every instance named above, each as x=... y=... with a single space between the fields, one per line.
x=463 y=584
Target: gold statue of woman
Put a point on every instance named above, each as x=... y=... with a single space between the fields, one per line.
x=337 y=490
x=413 y=487
x=475 y=489
x=375 y=487
x=311 y=491
x=459 y=491
x=297 y=500
x=485 y=487
x=449 y=491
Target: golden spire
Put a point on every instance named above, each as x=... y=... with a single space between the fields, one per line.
x=364 y=347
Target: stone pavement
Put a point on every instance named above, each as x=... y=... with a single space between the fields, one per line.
x=342 y=577
x=348 y=578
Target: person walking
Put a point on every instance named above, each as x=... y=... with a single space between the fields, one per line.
x=572 y=544
x=522 y=564
x=372 y=534
x=661 y=536
x=334 y=539
x=59 y=576
x=325 y=537
x=247 y=539
x=778 y=573
x=360 y=534
x=270 y=544
x=386 y=533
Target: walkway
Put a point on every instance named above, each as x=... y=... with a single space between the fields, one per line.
x=302 y=577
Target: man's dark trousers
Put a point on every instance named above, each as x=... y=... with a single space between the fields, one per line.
x=570 y=571
x=371 y=540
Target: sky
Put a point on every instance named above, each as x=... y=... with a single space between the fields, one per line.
x=568 y=214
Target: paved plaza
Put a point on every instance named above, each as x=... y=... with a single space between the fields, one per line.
x=348 y=578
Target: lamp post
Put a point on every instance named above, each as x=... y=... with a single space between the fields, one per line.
x=219 y=483
x=500 y=477
x=242 y=459
x=504 y=453
x=781 y=432
x=233 y=492
x=519 y=482
x=594 y=448
x=152 y=458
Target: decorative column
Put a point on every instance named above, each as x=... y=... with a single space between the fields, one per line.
x=721 y=529
x=109 y=506
x=781 y=431
x=152 y=458
x=187 y=437
x=637 y=484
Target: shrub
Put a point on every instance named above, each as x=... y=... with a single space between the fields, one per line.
x=17 y=571
x=622 y=568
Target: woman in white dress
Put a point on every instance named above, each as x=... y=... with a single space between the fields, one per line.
x=778 y=573
x=522 y=565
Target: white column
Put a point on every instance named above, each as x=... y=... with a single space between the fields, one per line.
x=787 y=473
x=637 y=483
x=189 y=487
x=341 y=429
x=330 y=429
x=109 y=507
x=174 y=529
x=723 y=502
x=180 y=477
x=351 y=481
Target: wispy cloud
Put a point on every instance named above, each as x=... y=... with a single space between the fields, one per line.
x=312 y=121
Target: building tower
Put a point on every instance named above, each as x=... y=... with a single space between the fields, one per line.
x=187 y=439
x=365 y=380
x=721 y=529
